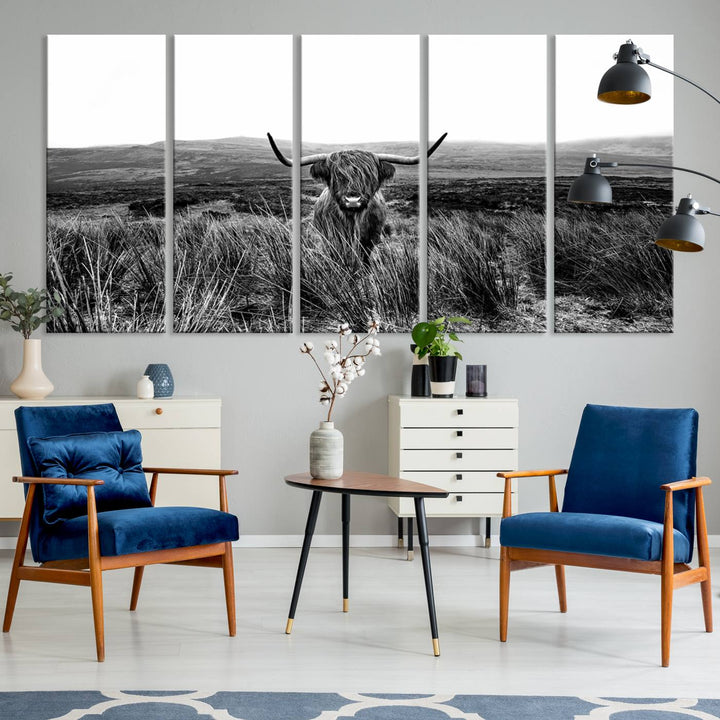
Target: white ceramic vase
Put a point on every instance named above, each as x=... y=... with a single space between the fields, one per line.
x=145 y=388
x=326 y=452
x=32 y=383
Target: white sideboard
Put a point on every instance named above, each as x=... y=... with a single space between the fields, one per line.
x=458 y=444
x=176 y=432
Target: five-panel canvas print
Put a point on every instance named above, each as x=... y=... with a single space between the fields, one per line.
x=409 y=153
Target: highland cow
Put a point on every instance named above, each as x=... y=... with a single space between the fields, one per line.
x=352 y=205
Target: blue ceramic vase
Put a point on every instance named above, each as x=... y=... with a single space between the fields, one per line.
x=162 y=379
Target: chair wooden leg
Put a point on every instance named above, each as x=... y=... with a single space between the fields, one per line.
x=560 y=580
x=96 y=587
x=704 y=559
x=137 y=581
x=504 y=591
x=666 y=580
x=18 y=560
x=229 y=578
x=666 y=598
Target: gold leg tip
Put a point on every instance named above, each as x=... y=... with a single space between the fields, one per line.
x=401 y=542
x=346 y=605
x=436 y=647
x=410 y=555
x=288 y=627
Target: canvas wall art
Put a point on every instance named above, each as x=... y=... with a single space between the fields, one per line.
x=609 y=274
x=105 y=182
x=486 y=183
x=232 y=251
x=360 y=127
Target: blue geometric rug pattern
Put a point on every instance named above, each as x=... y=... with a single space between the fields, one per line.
x=194 y=705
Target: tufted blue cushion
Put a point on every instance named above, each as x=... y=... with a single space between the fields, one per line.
x=51 y=421
x=623 y=454
x=592 y=534
x=114 y=457
x=138 y=530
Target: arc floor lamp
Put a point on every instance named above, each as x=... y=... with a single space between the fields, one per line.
x=626 y=83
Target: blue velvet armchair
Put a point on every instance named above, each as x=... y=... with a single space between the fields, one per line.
x=631 y=503
x=88 y=509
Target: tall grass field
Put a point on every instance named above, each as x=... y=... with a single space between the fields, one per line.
x=109 y=272
x=232 y=273
x=609 y=274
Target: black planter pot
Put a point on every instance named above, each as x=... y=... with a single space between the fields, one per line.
x=442 y=375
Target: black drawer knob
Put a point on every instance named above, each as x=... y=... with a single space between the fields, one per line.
x=460 y=411
x=458 y=456
x=459 y=433
x=458 y=476
x=458 y=498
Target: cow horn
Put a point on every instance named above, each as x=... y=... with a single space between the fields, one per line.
x=411 y=160
x=305 y=160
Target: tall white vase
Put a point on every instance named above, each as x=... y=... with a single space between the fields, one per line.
x=326 y=452
x=32 y=383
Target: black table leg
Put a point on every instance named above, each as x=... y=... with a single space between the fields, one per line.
x=425 y=553
x=400 y=532
x=309 y=530
x=346 y=548
x=410 y=551
x=487 y=532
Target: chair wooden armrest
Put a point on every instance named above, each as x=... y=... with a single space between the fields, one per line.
x=531 y=473
x=57 y=481
x=509 y=476
x=188 y=471
x=695 y=482
x=219 y=474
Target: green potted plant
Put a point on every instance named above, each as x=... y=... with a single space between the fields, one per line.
x=26 y=311
x=435 y=339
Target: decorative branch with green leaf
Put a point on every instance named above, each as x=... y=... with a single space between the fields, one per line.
x=26 y=311
x=434 y=337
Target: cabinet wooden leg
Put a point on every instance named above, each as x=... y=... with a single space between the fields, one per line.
x=410 y=532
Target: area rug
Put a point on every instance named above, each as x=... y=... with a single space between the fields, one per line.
x=193 y=705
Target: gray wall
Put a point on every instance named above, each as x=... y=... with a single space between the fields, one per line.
x=267 y=387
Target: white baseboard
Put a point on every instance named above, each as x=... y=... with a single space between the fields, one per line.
x=333 y=541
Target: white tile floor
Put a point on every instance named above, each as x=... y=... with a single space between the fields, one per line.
x=607 y=644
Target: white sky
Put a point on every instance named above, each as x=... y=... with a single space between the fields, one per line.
x=488 y=87
x=581 y=60
x=360 y=88
x=105 y=90
x=233 y=85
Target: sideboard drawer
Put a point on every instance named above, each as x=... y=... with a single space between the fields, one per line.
x=168 y=413
x=455 y=505
x=459 y=437
x=459 y=413
x=458 y=460
x=459 y=482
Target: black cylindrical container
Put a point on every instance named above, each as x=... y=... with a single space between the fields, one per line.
x=420 y=378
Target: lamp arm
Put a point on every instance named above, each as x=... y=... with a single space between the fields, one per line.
x=667 y=167
x=678 y=75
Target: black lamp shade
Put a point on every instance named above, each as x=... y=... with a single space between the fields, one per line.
x=590 y=187
x=625 y=83
x=683 y=233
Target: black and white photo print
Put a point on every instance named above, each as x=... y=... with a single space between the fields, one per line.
x=486 y=182
x=232 y=251
x=360 y=127
x=610 y=277
x=105 y=182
